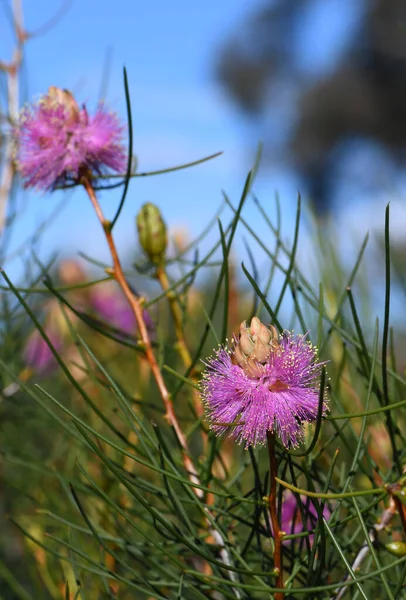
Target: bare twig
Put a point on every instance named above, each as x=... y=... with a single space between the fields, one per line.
x=11 y=70
x=54 y=20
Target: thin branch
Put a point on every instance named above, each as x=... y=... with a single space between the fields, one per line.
x=137 y=308
x=12 y=71
x=277 y=534
x=54 y=20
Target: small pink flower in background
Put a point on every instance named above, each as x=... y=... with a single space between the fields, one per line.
x=112 y=306
x=106 y=300
x=71 y=272
x=37 y=354
x=262 y=384
x=57 y=142
x=291 y=519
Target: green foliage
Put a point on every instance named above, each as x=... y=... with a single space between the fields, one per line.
x=99 y=503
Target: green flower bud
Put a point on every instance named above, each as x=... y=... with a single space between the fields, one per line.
x=152 y=232
x=397 y=548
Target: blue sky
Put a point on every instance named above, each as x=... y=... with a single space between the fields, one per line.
x=179 y=115
x=179 y=111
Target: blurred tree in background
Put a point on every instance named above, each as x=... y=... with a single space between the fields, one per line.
x=325 y=83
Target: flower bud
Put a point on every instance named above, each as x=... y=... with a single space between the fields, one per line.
x=255 y=345
x=260 y=330
x=246 y=342
x=262 y=351
x=397 y=548
x=65 y=98
x=239 y=356
x=152 y=232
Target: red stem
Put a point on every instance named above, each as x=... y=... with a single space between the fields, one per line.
x=277 y=556
x=136 y=307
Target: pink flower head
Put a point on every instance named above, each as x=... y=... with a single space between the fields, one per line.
x=37 y=354
x=277 y=392
x=57 y=141
x=113 y=307
x=291 y=520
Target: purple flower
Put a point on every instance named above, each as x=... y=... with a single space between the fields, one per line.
x=37 y=354
x=113 y=307
x=291 y=519
x=276 y=392
x=57 y=142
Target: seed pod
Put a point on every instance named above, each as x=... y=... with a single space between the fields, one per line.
x=152 y=232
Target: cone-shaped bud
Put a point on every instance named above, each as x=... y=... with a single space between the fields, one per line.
x=254 y=347
x=246 y=342
x=152 y=232
x=397 y=548
x=65 y=98
x=238 y=356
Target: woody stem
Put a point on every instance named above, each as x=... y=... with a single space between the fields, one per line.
x=181 y=343
x=136 y=307
x=176 y=314
x=170 y=415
